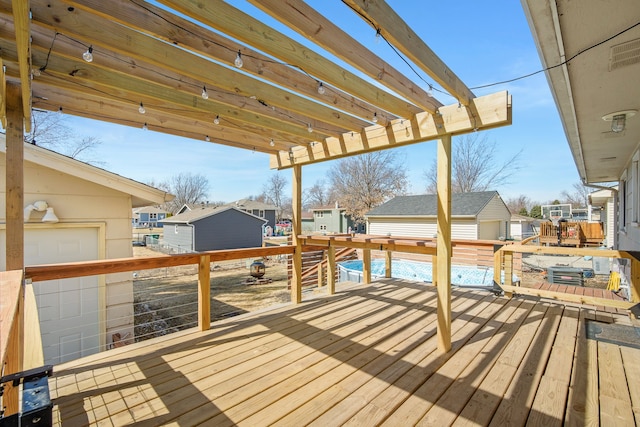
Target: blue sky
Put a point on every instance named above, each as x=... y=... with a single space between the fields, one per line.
x=482 y=42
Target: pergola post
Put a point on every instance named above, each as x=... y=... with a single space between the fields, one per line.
x=296 y=224
x=443 y=244
x=14 y=179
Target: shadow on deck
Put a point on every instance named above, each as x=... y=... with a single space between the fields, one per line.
x=366 y=356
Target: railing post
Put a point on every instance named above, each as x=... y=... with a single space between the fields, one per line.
x=388 y=257
x=443 y=243
x=366 y=266
x=635 y=280
x=204 y=293
x=331 y=270
x=320 y=275
x=296 y=205
x=15 y=356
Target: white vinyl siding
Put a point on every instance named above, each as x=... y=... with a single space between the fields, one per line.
x=414 y=227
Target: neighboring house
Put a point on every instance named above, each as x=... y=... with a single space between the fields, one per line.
x=523 y=227
x=332 y=219
x=215 y=228
x=93 y=207
x=475 y=216
x=605 y=200
x=597 y=93
x=307 y=222
x=148 y=216
x=259 y=209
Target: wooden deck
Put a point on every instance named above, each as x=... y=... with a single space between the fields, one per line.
x=368 y=356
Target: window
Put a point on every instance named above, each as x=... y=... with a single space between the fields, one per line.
x=175 y=229
x=320 y=214
x=261 y=213
x=323 y=227
x=623 y=203
x=153 y=216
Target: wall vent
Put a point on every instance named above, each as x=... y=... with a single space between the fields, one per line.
x=624 y=54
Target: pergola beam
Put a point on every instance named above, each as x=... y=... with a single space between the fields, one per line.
x=485 y=112
x=229 y=20
x=311 y=24
x=22 y=23
x=402 y=37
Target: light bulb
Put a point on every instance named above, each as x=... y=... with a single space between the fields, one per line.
x=375 y=118
x=271 y=143
x=206 y=138
x=60 y=111
x=239 y=62
x=321 y=89
x=205 y=95
x=88 y=55
x=378 y=36
x=430 y=91
x=144 y=126
x=216 y=121
x=141 y=109
x=309 y=128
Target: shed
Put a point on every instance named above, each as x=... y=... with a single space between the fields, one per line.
x=78 y=316
x=523 y=226
x=475 y=216
x=215 y=228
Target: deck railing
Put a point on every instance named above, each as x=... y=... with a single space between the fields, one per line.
x=503 y=262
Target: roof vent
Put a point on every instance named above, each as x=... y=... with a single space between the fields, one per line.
x=624 y=54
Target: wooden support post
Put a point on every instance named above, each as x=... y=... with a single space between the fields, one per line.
x=443 y=243
x=388 y=258
x=331 y=270
x=635 y=280
x=296 y=202
x=320 y=275
x=366 y=266
x=15 y=357
x=14 y=179
x=434 y=270
x=204 y=293
x=507 y=259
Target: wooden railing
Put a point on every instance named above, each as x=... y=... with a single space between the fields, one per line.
x=18 y=325
x=503 y=262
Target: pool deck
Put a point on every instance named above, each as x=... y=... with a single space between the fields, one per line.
x=367 y=356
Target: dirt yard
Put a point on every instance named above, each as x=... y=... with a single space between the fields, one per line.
x=166 y=299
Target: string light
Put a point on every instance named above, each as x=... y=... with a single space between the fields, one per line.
x=205 y=95
x=375 y=118
x=141 y=109
x=321 y=88
x=271 y=143
x=88 y=55
x=378 y=36
x=144 y=126
x=430 y=91
x=216 y=121
x=60 y=110
x=238 y=61
x=309 y=128
x=206 y=138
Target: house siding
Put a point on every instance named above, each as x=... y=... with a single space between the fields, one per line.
x=629 y=207
x=227 y=230
x=495 y=210
x=420 y=227
x=178 y=237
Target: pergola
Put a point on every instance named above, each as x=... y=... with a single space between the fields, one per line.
x=208 y=71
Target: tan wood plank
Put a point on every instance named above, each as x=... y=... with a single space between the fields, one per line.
x=33 y=354
x=443 y=243
x=14 y=183
x=487 y=397
x=399 y=34
x=314 y=26
x=204 y=293
x=331 y=270
x=296 y=206
x=10 y=284
x=630 y=358
x=518 y=399
x=582 y=404
x=247 y=29
x=22 y=18
x=561 y=296
x=221 y=385
x=231 y=359
x=615 y=403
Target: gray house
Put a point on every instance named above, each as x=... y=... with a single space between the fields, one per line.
x=213 y=228
x=332 y=219
x=475 y=216
x=259 y=209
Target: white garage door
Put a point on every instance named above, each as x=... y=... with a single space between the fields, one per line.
x=68 y=309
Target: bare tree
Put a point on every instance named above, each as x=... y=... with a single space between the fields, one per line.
x=316 y=196
x=273 y=192
x=518 y=204
x=51 y=131
x=474 y=167
x=366 y=181
x=579 y=198
x=187 y=188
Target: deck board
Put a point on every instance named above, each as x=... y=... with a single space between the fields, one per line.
x=365 y=356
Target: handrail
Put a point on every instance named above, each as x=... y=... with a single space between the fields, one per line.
x=503 y=256
x=11 y=333
x=400 y=244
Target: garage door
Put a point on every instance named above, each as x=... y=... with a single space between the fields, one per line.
x=69 y=309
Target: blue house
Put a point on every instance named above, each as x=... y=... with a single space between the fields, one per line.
x=148 y=216
x=213 y=228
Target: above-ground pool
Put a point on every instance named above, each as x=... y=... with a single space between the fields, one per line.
x=419 y=271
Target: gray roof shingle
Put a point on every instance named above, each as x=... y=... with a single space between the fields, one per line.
x=462 y=204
